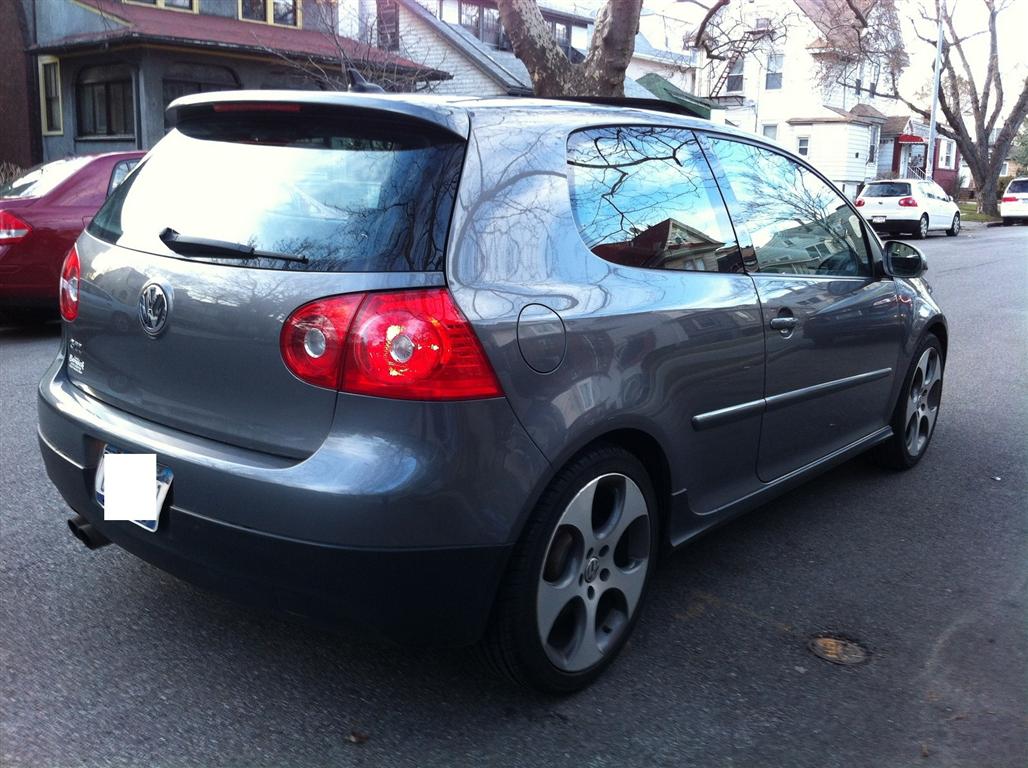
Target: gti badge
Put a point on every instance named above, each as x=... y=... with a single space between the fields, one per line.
x=154 y=306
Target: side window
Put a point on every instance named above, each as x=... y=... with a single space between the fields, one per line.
x=645 y=197
x=121 y=170
x=797 y=222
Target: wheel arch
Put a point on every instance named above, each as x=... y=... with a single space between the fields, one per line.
x=938 y=327
x=640 y=443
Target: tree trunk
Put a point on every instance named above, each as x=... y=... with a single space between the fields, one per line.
x=986 y=192
x=553 y=75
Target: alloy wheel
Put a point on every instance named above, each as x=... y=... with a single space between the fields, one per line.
x=923 y=401
x=924 y=227
x=593 y=575
x=956 y=223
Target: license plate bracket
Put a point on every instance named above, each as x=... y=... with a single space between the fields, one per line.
x=163 y=485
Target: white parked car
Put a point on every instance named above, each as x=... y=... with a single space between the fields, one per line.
x=1013 y=205
x=909 y=205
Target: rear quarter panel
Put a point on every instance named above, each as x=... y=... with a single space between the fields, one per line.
x=636 y=356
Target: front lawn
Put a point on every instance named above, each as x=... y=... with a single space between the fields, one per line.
x=969 y=212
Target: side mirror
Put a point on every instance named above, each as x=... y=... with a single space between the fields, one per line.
x=903 y=260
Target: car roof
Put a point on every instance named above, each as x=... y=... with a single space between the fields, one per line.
x=453 y=113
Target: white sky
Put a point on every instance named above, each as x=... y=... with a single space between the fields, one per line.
x=969 y=16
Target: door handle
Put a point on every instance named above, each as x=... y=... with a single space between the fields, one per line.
x=783 y=323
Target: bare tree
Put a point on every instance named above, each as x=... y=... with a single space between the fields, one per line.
x=973 y=112
x=330 y=71
x=601 y=73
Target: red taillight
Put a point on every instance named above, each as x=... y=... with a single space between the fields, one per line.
x=13 y=229
x=69 y=291
x=313 y=339
x=413 y=345
x=908 y=202
x=1008 y=200
x=860 y=202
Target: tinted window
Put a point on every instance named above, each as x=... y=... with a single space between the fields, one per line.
x=348 y=195
x=798 y=223
x=121 y=170
x=1018 y=187
x=887 y=189
x=645 y=197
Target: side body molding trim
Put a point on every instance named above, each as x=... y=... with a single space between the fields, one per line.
x=743 y=410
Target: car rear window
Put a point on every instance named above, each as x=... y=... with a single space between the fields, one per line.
x=347 y=193
x=887 y=189
x=37 y=181
x=1018 y=187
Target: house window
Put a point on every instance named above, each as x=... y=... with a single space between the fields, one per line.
x=471 y=17
x=105 y=103
x=735 y=74
x=180 y=5
x=50 y=96
x=773 y=79
x=803 y=145
x=762 y=23
x=946 y=148
x=562 y=34
x=770 y=130
x=483 y=23
x=388 y=24
x=284 y=12
x=184 y=79
x=872 y=150
x=1004 y=170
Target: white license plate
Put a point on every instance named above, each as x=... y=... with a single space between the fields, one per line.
x=877 y=219
x=163 y=485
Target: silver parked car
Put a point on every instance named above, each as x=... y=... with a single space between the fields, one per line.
x=459 y=370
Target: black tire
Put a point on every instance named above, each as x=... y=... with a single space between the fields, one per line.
x=921 y=233
x=895 y=452
x=954 y=228
x=512 y=644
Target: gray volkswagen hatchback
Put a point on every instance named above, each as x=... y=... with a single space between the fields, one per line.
x=459 y=370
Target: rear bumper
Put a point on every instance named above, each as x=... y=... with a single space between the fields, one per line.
x=407 y=540
x=895 y=225
x=1013 y=210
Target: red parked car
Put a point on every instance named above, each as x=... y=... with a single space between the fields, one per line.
x=41 y=214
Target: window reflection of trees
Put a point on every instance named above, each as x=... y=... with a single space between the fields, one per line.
x=345 y=202
x=798 y=223
x=644 y=197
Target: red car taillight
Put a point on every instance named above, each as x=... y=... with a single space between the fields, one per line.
x=908 y=202
x=13 y=229
x=860 y=202
x=413 y=345
x=1008 y=200
x=69 y=292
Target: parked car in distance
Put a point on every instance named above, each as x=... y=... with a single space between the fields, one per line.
x=1013 y=205
x=41 y=213
x=459 y=370
x=913 y=206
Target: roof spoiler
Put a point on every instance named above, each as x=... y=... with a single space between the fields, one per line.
x=439 y=114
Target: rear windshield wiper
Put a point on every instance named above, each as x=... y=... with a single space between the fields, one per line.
x=225 y=249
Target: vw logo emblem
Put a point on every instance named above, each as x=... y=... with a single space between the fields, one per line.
x=592 y=568
x=153 y=308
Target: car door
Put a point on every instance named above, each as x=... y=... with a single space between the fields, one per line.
x=832 y=331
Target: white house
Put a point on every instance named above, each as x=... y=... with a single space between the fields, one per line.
x=771 y=86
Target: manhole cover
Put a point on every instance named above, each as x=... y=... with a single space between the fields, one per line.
x=838 y=650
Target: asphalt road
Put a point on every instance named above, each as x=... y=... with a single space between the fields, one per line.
x=106 y=661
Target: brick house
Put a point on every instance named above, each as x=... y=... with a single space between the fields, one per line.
x=106 y=69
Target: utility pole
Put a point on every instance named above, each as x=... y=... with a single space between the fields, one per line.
x=930 y=154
